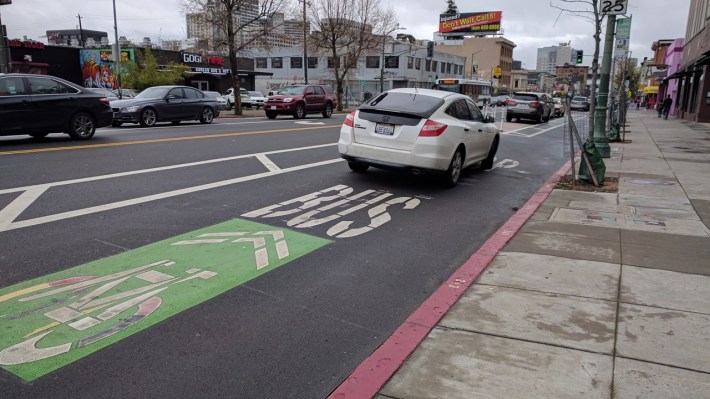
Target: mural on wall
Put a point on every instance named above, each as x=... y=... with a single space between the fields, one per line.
x=97 y=67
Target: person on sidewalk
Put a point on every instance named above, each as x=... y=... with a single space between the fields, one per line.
x=667 y=106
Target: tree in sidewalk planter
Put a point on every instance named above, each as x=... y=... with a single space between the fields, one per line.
x=146 y=72
x=238 y=25
x=589 y=10
x=346 y=30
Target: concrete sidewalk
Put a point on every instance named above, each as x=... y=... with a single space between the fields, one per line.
x=597 y=295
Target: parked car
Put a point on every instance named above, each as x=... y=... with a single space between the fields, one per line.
x=243 y=96
x=106 y=92
x=419 y=130
x=529 y=105
x=558 y=107
x=223 y=104
x=257 y=99
x=126 y=93
x=38 y=105
x=165 y=104
x=300 y=100
x=579 y=104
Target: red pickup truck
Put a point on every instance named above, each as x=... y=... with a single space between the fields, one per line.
x=300 y=100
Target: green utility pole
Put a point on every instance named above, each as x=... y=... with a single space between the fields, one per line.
x=600 y=138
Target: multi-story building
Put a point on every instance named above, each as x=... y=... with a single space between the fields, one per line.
x=548 y=58
x=201 y=25
x=486 y=53
x=405 y=65
x=574 y=72
x=692 y=98
x=77 y=38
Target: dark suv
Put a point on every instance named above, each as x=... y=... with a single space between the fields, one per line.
x=41 y=104
x=529 y=105
x=300 y=100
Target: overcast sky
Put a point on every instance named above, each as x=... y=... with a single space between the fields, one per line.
x=530 y=24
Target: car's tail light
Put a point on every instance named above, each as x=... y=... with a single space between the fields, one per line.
x=432 y=129
x=350 y=119
x=105 y=100
x=534 y=104
x=511 y=102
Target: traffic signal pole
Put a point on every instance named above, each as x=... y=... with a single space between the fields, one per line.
x=600 y=138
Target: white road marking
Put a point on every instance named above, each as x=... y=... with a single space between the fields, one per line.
x=310 y=123
x=25 y=200
x=270 y=165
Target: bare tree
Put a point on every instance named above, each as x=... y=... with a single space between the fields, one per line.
x=589 y=10
x=236 y=25
x=345 y=30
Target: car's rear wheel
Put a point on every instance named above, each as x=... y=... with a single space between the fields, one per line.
x=541 y=118
x=207 y=115
x=358 y=167
x=271 y=115
x=488 y=162
x=451 y=178
x=328 y=110
x=82 y=126
x=39 y=135
x=148 y=117
x=300 y=112
x=116 y=123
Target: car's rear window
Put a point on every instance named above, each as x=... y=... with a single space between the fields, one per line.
x=525 y=97
x=409 y=103
x=579 y=99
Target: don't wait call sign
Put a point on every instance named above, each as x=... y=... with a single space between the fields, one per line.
x=478 y=22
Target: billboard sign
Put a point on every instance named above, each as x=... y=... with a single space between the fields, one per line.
x=98 y=67
x=474 y=23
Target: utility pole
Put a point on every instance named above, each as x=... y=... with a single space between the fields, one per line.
x=117 y=55
x=305 y=45
x=81 y=31
x=4 y=48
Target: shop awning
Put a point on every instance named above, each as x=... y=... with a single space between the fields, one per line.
x=650 y=90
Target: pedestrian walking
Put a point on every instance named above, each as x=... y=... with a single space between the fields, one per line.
x=667 y=106
x=659 y=108
x=638 y=104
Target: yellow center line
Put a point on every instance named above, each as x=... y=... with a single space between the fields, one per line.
x=209 y=136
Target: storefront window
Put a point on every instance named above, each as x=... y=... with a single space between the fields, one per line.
x=296 y=62
x=277 y=62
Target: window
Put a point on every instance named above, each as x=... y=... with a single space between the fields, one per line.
x=459 y=110
x=318 y=90
x=332 y=61
x=427 y=65
x=443 y=67
x=12 y=86
x=434 y=65
x=192 y=93
x=277 y=62
x=392 y=62
x=48 y=86
x=448 y=67
x=475 y=112
x=312 y=62
x=261 y=62
x=176 y=92
x=372 y=62
x=410 y=62
x=296 y=62
x=418 y=64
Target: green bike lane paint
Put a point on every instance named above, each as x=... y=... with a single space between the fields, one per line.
x=52 y=321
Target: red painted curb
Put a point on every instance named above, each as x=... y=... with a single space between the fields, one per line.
x=371 y=375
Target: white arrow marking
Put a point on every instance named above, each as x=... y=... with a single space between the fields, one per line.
x=279 y=242
x=262 y=257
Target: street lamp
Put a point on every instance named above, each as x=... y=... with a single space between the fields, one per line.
x=305 y=38
x=382 y=69
x=475 y=70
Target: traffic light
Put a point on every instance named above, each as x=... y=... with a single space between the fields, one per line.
x=430 y=49
x=580 y=54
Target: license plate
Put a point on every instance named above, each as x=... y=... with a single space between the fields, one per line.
x=273 y=107
x=384 y=128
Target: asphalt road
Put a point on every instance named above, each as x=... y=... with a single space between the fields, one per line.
x=293 y=328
